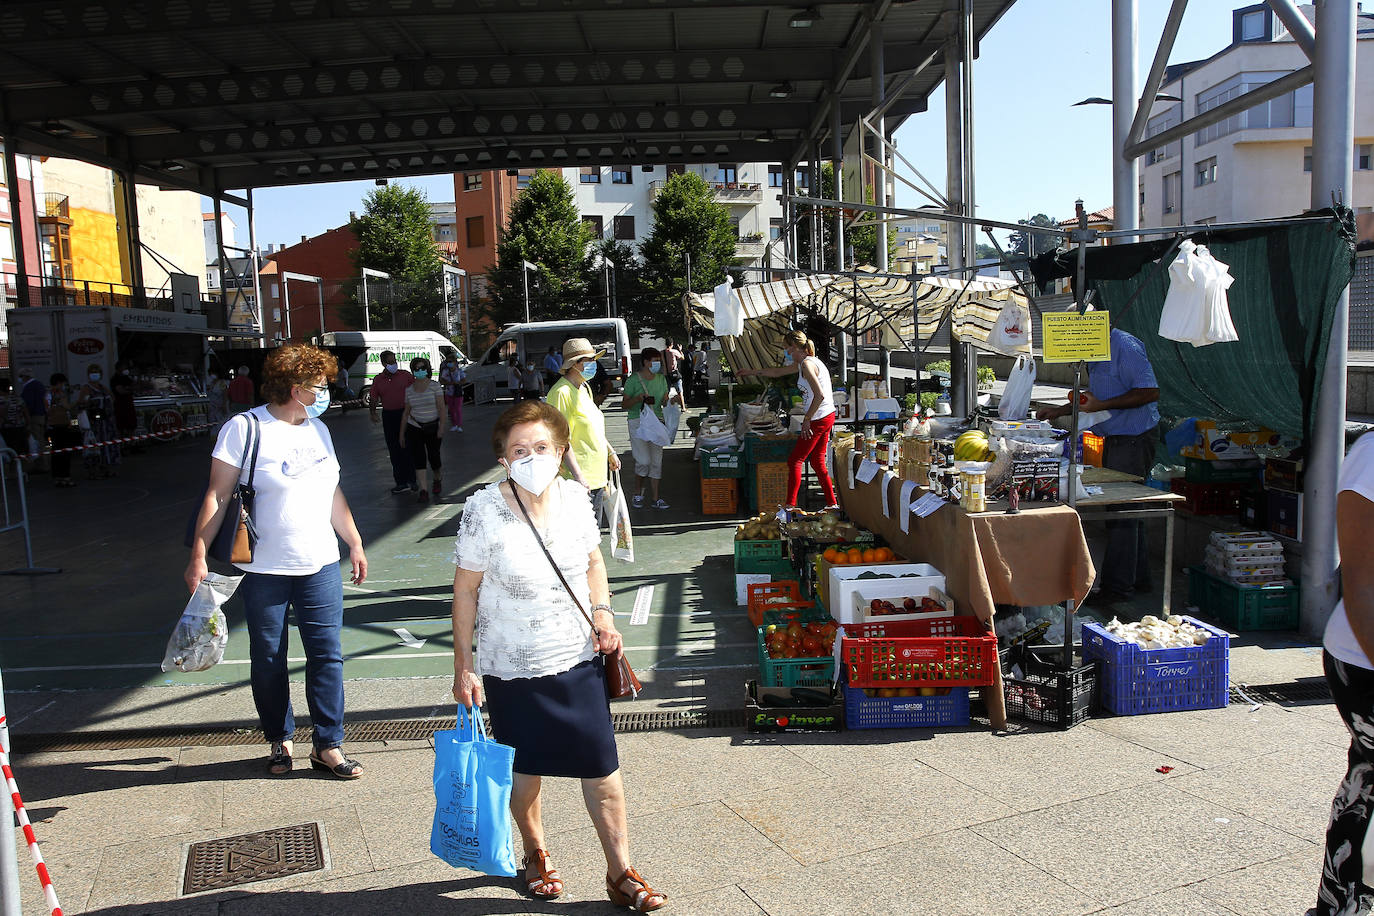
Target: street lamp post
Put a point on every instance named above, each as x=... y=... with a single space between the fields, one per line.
x=687 y=257
x=525 y=268
x=367 y=313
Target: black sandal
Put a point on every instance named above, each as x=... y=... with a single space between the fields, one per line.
x=349 y=769
x=280 y=763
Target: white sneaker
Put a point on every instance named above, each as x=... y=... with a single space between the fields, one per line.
x=638 y=501
x=455 y=428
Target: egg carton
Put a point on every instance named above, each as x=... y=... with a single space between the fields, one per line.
x=1244 y=560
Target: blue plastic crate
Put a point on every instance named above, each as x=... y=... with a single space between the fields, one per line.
x=1136 y=680
x=862 y=711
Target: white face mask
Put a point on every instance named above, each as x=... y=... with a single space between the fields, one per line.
x=535 y=472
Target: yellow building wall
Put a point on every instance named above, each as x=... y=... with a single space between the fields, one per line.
x=95 y=247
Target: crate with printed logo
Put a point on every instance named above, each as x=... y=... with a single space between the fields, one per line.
x=1137 y=680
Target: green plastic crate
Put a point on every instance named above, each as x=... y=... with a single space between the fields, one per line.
x=758 y=550
x=793 y=672
x=715 y=465
x=762 y=451
x=1236 y=608
x=775 y=567
x=1200 y=470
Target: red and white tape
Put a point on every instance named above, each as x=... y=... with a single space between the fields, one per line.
x=49 y=893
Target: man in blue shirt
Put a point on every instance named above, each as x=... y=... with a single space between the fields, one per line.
x=1126 y=386
x=35 y=395
x=553 y=368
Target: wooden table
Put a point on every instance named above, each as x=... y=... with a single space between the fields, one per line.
x=1036 y=557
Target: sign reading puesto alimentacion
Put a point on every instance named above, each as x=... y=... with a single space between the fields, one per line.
x=1069 y=337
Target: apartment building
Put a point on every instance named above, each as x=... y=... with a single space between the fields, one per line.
x=1255 y=164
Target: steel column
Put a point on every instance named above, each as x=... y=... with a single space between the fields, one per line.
x=21 y=274
x=954 y=193
x=878 y=77
x=1125 y=90
x=259 y=309
x=130 y=190
x=966 y=39
x=1333 y=137
x=1297 y=25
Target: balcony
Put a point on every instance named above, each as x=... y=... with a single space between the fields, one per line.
x=750 y=247
x=56 y=206
x=732 y=193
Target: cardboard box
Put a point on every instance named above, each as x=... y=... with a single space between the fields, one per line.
x=783 y=720
x=914 y=579
x=1221 y=444
x=1283 y=474
x=878 y=408
x=1285 y=513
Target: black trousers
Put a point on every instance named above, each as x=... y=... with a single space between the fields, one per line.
x=402 y=469
x=1127 y=561
x=423 y=442
x=1343 y=889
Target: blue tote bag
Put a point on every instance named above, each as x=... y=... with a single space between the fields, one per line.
x=472 y=782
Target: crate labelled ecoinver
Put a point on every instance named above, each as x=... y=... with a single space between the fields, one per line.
x=778 y=711
x=1137 y=680
x=1270 y=607
x=863 y=711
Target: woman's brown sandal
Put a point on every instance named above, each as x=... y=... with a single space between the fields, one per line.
x=645 y=899
x=549 y=884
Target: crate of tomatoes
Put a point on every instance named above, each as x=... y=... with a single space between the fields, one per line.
x=797 y=654
x=940 y=652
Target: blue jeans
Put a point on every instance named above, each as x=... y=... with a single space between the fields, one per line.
x=316 y=599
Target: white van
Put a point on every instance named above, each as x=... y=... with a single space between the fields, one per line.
x=372 y=344
x=530 y=342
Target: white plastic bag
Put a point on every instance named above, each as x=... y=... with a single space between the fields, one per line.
x=672 y=418
x=651 y=429
x=622 y=536
x=198 y=640
x=729 y=311
x=1011 y=334
x=1015 y=403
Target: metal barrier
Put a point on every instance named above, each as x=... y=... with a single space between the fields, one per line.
x=483 y=391
x=16 y=517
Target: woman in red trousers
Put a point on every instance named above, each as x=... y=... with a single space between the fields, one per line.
x=813 y=378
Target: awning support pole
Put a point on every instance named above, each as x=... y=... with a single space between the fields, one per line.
x=1333 y=138
x=1125 y=169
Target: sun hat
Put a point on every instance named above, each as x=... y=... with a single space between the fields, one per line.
x=578 y=348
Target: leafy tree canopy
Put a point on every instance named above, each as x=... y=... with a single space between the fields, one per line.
x=688 y=223
x=1028 y=243
x=394 y=236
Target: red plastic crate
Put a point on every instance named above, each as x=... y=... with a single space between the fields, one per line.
x=1210 y=498
x=943 y=652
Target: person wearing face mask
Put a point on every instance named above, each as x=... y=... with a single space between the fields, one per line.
x=589 y=455
x=536 y=664
x=300 y=513
x=531 y=382
x=421 y=427
x=389 y=392
x=648 y=387
x=813 y=378
x=452 y=376
x=96 y=401
x=62 y=428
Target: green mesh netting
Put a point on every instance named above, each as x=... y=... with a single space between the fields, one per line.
x=1287 y=280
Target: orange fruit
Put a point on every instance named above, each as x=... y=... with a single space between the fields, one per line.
x=830 y=554
x=870 y=555
x=855 y=555
x=882 y=555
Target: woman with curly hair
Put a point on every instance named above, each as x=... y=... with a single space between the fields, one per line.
x=299 y=509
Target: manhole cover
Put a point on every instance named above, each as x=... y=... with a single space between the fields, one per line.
x=216 y=864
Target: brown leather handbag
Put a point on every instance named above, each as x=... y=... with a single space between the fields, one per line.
x=621 y=681
x=237 y=536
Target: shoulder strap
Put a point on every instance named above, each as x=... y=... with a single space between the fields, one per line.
x=255 y=437
x=558 y=572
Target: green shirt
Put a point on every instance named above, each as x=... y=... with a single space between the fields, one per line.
x=587 y=428
x=657 y=387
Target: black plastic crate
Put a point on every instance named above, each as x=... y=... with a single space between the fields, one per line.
x=1046 y=694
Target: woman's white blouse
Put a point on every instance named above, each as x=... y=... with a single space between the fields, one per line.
x=527 y=626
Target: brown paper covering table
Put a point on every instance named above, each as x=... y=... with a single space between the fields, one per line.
x=1036 y=557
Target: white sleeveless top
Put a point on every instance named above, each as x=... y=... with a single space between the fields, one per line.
x=827 y=399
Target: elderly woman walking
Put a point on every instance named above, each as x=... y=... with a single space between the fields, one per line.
x=299 y=509
x=528 y=554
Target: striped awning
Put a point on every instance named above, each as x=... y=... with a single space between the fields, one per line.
x=857 y=305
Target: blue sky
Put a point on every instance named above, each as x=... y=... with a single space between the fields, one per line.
x=1035 y=152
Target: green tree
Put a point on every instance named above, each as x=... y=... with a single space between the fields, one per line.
x=546 y=230
x=985 y=250
x=863 y=240
x=688 y=223
x=1028 y=243
x=626 y=283
x=394 y=236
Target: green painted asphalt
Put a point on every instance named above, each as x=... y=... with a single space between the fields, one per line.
x=104 y=620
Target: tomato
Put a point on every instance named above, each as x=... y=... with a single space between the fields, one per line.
x=811 y=646
x=794 y=630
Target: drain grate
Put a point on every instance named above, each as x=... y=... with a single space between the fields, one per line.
x=382 y=730
x=217 y=864
x=1313 y=691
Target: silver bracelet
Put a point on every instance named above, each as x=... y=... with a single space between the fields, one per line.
x=603 y=607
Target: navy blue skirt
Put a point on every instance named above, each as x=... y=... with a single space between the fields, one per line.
x=559 y=725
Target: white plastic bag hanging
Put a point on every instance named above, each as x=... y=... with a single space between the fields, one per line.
x=1195 y=309
x=622 y=536
x=729 y=311
x=198 y=640
x=672 y=418
x=651 y=429
x=1016 y=397
x=1011 y=333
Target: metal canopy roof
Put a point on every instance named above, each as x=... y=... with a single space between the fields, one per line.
x=217 y=95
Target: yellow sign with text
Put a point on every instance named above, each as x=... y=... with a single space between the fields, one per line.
x=1069 y=337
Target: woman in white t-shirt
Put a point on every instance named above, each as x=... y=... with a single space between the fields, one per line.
x=813 y=378
x=421 y=429
x=298 y=509
x=536 y=663
x=1348 y=648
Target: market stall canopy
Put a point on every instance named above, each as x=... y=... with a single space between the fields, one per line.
x=860 y=303
x=1283 y=301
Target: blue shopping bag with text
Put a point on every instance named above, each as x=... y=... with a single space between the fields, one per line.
x=472 y=782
